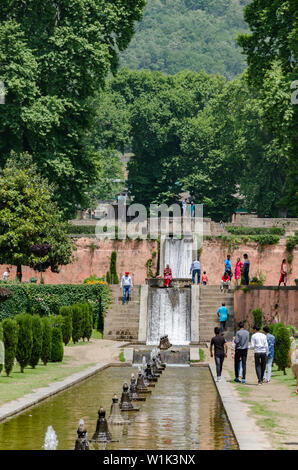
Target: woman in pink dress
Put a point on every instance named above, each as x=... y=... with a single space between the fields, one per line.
x=167 y=274
x=238 y=267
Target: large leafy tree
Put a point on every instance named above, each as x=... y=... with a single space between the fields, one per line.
x=29 y=218
x=54 y=57
x=272 y=55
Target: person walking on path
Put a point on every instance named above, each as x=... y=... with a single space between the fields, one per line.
x=233 y=347
x=260 y=345
x=238 y=267
x=126 y=284
x=241 y=348
x=225 y=281
x=220 y=351
x=195 y=270
x=283 y=273
x=246 y=265
x=167 y=274
x=204 y=278
x=223 y=315
x=271 y=343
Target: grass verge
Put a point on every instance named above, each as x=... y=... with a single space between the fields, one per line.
x=17 y=385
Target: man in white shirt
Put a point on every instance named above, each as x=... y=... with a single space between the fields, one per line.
x=5 y=275
x=260 y=345
x=126 y=283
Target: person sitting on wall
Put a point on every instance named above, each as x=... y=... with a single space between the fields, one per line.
x=225 y=281
x=167 y=276
x=126 y=283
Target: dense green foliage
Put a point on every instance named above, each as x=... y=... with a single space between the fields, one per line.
x=54 y=58
x=188 y=34
x=81 y=229
x=255 y=230
x=112 y=277
x=272 y=56
x=10 y=339
x=29 y=217
x=66 y=313
x=77 y=320
x=57 y=350
x=1 y=347
x=282 y=347
x=257 y=317
x=87 y=320
x=194 y=132
x=47 y=299
x=25 y=339
x=36 y=340
x=46 y=340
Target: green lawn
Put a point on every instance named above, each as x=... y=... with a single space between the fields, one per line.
x=18 y=384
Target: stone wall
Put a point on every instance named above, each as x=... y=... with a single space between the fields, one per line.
x=277 y=304
x=93 y=257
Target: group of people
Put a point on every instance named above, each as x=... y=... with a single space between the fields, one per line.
x=195 y=271
x=263 y=344
x=228 y=274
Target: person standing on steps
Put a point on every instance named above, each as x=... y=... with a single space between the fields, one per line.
x=223 y=315
x=283 y=273
x=241 y=348
x=228 y=266
x=246 y=265
x=195 y=270
x=271 y=343
x=220 y=351
x=238 y=267
x=204 y=278
x=126 y=284
x=260 y=345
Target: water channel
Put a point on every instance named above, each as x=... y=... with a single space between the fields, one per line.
x=184 y=411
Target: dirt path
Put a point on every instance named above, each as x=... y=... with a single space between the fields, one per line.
x=274 y=405
x=96 y=350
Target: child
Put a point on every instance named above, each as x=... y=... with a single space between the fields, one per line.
x=204 y=278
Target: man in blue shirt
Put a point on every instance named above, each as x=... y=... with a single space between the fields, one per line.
x=223 y=315
x=271 y=344
x=228 y=266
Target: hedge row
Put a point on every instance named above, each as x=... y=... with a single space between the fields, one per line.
x=47 y=299
x=77 y=322
x=29 y=338
x=238 y=230
x=78 y=229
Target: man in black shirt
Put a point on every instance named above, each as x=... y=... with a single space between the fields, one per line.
x=220 y=351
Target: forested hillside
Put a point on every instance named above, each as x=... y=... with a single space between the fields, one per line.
x=188 y=34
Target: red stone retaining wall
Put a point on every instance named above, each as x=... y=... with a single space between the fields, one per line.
x=278 y=305
x=93 y=257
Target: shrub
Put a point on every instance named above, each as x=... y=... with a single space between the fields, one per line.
x=37 y=340
x=238 y=230
x=79 y=229
x=47 y=299
x=112 y=277
x=1 y=347
x=57 y=350
x=10 y=339
x=87 y=320
x=76 y=322
x=46 y=340
x=66 y=313
x=25 y=341
x=282 y=348
x=258 y=317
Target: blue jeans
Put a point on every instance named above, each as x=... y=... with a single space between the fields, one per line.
x=269 y=368
x=126 y=293
x=196 y=272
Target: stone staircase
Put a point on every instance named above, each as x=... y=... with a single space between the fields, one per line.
x=122 y=321
x=211 y=299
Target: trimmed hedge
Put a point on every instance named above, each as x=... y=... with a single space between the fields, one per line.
x=47 y=299
x=46 y=340
x=238 y=230
x=10 y=339
x=37 y=340
x=25 y=339
x=78 y=229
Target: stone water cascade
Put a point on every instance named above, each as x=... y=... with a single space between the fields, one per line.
x=169 y=313
x=178 y=253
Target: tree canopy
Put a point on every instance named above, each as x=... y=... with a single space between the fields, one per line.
x=28 y=216
x=54 y=58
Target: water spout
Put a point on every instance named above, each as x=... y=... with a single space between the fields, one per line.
x=51 y=441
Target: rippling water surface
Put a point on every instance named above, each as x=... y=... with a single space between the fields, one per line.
x=184 y=411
